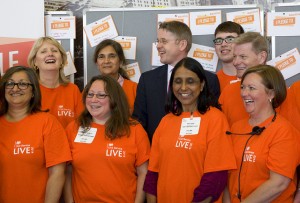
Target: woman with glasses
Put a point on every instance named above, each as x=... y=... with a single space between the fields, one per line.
x=110 y=60
x=190 y=152
x=32 y=161
x=110 y=150
x=63 y=99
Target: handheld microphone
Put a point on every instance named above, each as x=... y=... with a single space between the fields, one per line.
x=256 y=130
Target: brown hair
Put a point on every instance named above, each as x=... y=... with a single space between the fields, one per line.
x=37 y=45
x=180 y=29
x=259 y=43
x=230 y=27
x=272 y=79
x=118 y=125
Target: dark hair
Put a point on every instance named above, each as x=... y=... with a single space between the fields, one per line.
x=230 y=27
x=35 y=101
x=118 y=124
x=205 y=99
x=272 y=79
x=118 y=49
x=180 y=30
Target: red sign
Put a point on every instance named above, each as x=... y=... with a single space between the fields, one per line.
x=14 y=54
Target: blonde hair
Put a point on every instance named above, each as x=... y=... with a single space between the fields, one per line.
x=37 y=45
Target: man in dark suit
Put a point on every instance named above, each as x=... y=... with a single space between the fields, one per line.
x=174 y=40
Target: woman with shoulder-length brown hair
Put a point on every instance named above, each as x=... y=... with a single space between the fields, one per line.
x=110 y=150
x=63 y=99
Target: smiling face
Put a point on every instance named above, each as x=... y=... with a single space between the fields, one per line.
x=170 y=49
x=48 y=57
x=98 y=108
x=256 y=96
x=187 y=88
x=225 y=50
x=245 y=57
x=108 y=62
x=15 y=97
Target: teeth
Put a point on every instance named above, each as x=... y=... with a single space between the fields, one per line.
x=185 y=95
x=50 y=61
x=248 y=101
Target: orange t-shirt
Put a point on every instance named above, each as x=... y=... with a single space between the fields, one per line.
x=28 y=147
x=294 y=91
x=232 y=103
x=225 y=79
x=276 y=149
x=129 y=88
x=105 y=170
x=181 y=161
x=64 y=102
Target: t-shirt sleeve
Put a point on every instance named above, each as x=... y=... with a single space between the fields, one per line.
x=219 y=155
x=154 y=154
x=143 y=145
x=78 y=102
x=56 y=145
x=283 y=155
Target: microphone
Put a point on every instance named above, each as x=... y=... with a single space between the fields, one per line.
x=256 y=130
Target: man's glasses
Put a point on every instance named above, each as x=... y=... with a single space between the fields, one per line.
x=21 y=85
x=219 y=41
x=98 y=96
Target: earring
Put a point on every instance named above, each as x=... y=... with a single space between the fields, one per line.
x=270 y=100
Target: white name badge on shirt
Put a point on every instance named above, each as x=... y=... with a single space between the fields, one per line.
x=190 y=126
x=84 y=136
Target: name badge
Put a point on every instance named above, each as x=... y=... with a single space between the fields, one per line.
x=190 y=126
x=85 y=136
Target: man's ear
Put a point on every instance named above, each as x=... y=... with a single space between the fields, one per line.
x=262 y=57
x=182 y=44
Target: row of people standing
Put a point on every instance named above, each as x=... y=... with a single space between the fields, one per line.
x=191 y=96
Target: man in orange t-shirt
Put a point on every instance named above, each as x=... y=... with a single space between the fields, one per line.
x=251 y=49
x=225 y=33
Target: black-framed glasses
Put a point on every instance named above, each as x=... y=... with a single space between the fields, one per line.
x=98 y=96
x=219 y=41
x=21 y=85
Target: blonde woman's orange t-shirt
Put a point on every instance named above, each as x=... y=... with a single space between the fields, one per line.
x=64 y=102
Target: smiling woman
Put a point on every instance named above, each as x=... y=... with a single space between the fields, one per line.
x=110 y=150
x=63 y=99
x=110 y=60
x=189 y=146
x=29 y=138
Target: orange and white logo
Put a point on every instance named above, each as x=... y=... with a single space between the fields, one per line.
x=285 y=63
x=284 y=21
x=100 y=28
x=205 y=55
x=60 y=25
x=244 y=19
x=206 y=20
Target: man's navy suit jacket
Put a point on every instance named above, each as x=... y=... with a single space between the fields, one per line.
x=149 y=105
